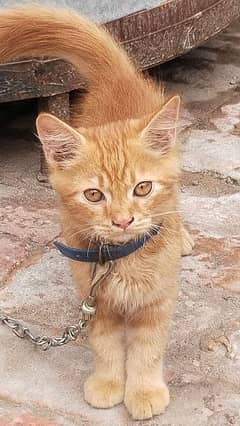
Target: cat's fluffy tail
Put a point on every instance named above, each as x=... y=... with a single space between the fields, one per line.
x=44 y=31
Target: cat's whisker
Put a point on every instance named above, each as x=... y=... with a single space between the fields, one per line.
x=108 y=250
x=89 y=245
x=164 y=213
x=172 y=231
x=79 y=232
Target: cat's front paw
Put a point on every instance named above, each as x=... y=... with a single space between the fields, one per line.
x=102 y=392
x=146 y=402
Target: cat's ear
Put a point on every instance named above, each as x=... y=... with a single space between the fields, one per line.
x=61 y=143
x=160 y=132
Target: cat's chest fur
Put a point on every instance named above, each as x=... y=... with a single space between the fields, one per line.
x=127 y=291
x=136 y=282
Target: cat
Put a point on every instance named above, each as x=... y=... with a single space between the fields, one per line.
x=116 y=171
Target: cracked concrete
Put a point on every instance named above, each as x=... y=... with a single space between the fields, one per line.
x=211 y=155
x=203 y=355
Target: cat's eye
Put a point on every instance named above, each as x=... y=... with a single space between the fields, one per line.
x=94 y=195
x=143 y=188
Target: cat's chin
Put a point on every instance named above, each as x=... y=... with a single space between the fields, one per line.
x=122 y=238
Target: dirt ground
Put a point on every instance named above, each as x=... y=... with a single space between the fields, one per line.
x=203 y=356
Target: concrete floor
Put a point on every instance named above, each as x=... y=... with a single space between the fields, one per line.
x=203 y=356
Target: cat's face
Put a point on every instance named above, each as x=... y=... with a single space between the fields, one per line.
x=116 y=181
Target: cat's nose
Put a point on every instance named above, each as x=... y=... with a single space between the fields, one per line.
x=122 y=222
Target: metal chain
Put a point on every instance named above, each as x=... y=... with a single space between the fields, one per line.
x=44 y=342
x=70 y=333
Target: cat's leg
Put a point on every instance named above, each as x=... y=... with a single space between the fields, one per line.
x=105 y=386
x=187 y=241
x=146 y=393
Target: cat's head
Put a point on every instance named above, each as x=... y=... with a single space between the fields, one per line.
x=118 y=181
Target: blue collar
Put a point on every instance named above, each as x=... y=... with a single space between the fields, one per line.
x=105 y=252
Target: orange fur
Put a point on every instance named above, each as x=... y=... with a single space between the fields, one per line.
x=123 y=133
x=39 y=31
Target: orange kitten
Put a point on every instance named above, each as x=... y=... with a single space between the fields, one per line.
x=116 y=172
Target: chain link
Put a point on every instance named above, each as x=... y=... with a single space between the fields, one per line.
x=44 y=342
x=70 y=333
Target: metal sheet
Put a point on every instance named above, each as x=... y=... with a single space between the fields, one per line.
x=157 y=35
